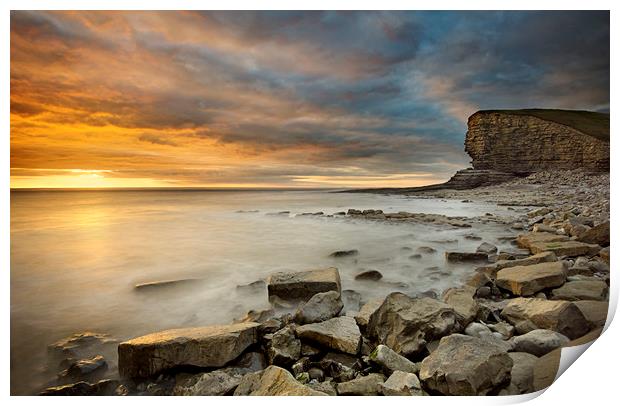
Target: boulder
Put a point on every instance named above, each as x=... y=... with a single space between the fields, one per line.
x=599 y=234
x=341 y=367
x=390 y=361
x=426 y=250
x=216 y=383
x=466 y=256
x=463 y=303
x=478 y=330
x=339 y=333
x=85 y=368
x=81 y=345
x=273 y=381
x=371 y=275
x=104 y=387
x=521 y=375
x=539 y=342
x=492 y=269
x=369 y=385
x=528 y=239
x=567 y=248
x=594 y=311
x=581 y=290
x=464 y=365
x=303 y=285
x=487 y=248
x=527 y=280
x=604 y=253
x=345 y=253
x=405 y=324
x=211 y=346
x=402 y=384
x=368 y=309
x=528 y=314
x=320 y=307
x=326 y=387
x=284 y=348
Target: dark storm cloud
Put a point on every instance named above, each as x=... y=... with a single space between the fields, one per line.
x=382 y=92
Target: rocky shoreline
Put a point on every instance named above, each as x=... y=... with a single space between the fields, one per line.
x=498 y=334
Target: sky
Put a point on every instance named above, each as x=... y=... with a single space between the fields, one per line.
x=282 y=99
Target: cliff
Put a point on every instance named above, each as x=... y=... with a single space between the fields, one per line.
x=505 y=144
x=526 y=141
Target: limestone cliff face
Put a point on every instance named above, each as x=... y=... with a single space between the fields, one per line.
x=522 y=143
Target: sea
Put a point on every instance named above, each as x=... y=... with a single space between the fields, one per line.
x=77 y=256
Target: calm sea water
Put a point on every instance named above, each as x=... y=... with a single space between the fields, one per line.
x=76 y=257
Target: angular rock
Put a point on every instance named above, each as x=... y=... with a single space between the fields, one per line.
x=303 y=285
x=527 y=280
x=322 y=306
x=371 y=275
x=346 y=253
x=402 y=384
x=539 y=342
x=568 y=248
x=405 y=324
x=326 y=387
x=79 y=345
x=463 y=303
x=339 y=333
x=367 y=310
x=581 y=290
x=542 y=228
x=104 y=387
x=464 y=365
x=211 y=346
x=528 y=314
x=390 y=361
x=84 y=368
x=604 y=253
x=363 y=386
x=492 y=269
x=487 y=248
x=526 y=240
x=599 y=234
x=466 y=256
x=522 y=374
x=594 y=311
x=273 y=381
x=478 y=330
x=216 y=383
x=284 y=348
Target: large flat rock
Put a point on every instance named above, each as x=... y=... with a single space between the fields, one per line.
x=528 y=314
x=464 y=365
x=340 y=334
x=406 y=324
x=568 y=248
x=303 y=285
x=492 y=269
x=581 y=290
x=526 y=240
x=527 y=280
x=211 y=346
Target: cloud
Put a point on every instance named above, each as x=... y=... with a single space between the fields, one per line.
x=283 y=97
